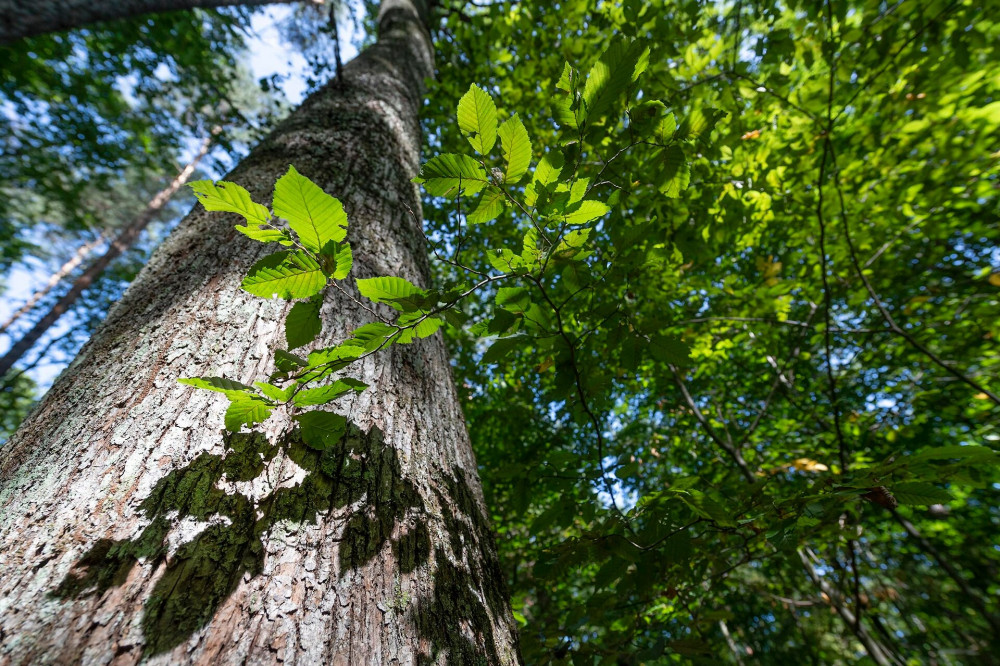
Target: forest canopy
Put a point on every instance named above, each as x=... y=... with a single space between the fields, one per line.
x=719 y=282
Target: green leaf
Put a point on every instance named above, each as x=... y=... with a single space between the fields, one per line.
x=490 y=206
x=477 y=118
x=619 y=66
x=676 y=172
x=321 y=430
x=516 y=149
x=569 y=80
x=321 y=395
x=668 y=349
x=286 y=275
x=287 y=362
x=344 y=260
x=505 y=261
x=246 y=411
x=425 y=328
x=707 y=506
x=515 y=299
x=218 y=384
x=548 y=169
x=313 y=214
x=391 y=290
x=449 y=175
x=920 y=494
x=571 y=245
x=666 y=128
x=258 y=233
x=303 y=324
x=275 y=393
x=371 y=336
x=502 y=347
x=231 y=198
x=699 y=123
x=957 y=452
x=584 y=212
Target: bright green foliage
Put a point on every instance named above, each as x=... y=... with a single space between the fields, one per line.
x=789 y=304
x=302 y=324
x=516 y=149
x=451 y=175
x=313 y=214
x=231 y=198
x=477 y=118
x=286 y=275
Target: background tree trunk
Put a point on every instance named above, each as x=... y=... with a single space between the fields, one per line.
x=121 y=244
x=20 y=19
x=131 y=527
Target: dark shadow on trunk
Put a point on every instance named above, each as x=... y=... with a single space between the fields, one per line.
x=203 y=572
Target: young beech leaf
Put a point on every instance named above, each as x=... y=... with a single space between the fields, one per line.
x=920 y=494
x=246 y=411
x=258 y=233
x=231 y=198
x=321 y=430
x=699 y=123
x=505 y=261
x=490 y=206
x=275 y=393
x=313 y=214
x=287 y=362
x=391 y=290
x=303 y=324
x=344 y=260
x=676 y=172
x=424 y=329
x=618 y=67
x=286 y=275
x=504 y=346
x=219 y=384
x=477 y=118
x=371 y=336
x=448 y=175
x=516 y=149
x=324 y=394
x=584 y=211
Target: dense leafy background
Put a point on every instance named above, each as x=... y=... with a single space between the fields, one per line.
x=749 y=414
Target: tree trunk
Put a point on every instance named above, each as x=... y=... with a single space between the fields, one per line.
x=132 y=527
x=81 y=253
x=121 y=244
x=21 y=18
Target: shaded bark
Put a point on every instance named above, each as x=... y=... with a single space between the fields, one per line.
x=132 y=528
x=121 y=244
x=20 y=19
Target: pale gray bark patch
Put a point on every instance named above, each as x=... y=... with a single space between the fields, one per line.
x=20 y=19
x=132 y=529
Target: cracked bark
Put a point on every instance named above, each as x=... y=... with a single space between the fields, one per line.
x=132 y=529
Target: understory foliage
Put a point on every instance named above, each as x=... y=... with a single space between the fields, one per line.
x=815 y=480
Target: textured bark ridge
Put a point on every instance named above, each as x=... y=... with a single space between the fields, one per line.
x=133 y=529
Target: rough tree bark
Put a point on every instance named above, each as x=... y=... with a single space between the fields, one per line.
x=23 y=18
x=132 y=528
x=121 y=244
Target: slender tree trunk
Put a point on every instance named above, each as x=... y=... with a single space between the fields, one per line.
x=81 y=253
x=132 y=527
x=26 y=18
x=125 y=240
